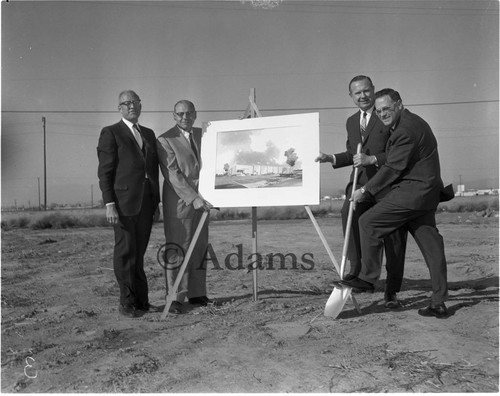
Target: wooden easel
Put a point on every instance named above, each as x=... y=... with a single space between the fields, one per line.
x=252 y=111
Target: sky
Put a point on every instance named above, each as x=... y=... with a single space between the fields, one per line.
x=68 y=61
x=259 y=147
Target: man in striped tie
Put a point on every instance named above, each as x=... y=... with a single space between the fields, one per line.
x=364 y=127
x=128 y=178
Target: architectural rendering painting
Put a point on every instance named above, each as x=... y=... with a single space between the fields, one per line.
x=265 y=161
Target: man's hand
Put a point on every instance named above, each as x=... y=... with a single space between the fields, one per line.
x=156 y=215
x=200 y=204
x=357 y=195
x=322 y=157
x=111 y=214
x=363 y=160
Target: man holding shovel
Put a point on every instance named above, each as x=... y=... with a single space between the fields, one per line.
x=364 y=127
x=183 y=207
x=412 y=175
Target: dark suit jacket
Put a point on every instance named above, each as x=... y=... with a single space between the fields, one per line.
x=374 y=144
x=412 y=170
x=181 y=170
x=123 y=167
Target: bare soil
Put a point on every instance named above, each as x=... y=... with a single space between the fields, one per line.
x=61 y=330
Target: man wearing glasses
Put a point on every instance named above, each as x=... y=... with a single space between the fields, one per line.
x=128 y=178
x=364 y=127
x=412 y=175
x=180 y=163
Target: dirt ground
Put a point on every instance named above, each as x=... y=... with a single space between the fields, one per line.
x=61 y=330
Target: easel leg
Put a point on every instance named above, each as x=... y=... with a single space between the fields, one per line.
x=356 y=305
x=330 y=253
x=254 y=254
x=252 y=111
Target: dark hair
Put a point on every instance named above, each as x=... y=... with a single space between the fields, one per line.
x=360 y=78
x=186 y=102
x=394 y=95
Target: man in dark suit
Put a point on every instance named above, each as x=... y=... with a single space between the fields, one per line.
x=179 y=152
x=364 y=127
x=128 y=178
x=412 y=186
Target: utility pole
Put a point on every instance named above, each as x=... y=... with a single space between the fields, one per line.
x=39 y=203
x=44 y=166
x=91 y=196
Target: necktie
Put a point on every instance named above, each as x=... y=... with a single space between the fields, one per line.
x=363 y=126
x=137 y=135
x=193 y=146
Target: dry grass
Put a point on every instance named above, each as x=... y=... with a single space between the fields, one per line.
x=483 y=206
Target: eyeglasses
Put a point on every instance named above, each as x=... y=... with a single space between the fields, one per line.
x=386 y=109
x=130 y=103
x=188 y=114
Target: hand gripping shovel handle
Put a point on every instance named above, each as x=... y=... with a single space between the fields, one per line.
x=172 y=292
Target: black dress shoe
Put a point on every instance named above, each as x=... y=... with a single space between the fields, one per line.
x=349 y=277
x=203 y=301
x=391 y=301
x=127 y=310
x=148 y=308
x=176 y=308
x=438 y=311
x=359 y=285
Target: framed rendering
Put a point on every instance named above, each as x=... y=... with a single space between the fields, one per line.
x=265 y=161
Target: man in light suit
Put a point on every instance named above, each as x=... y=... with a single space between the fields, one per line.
x=180 y=163
x=128 y=178
x=364 y=127
x=412 y=175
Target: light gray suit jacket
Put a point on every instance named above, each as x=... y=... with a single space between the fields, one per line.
x=181 y=169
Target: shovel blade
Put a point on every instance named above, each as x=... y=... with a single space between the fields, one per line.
x=337 y=300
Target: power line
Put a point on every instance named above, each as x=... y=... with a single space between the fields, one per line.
x=255 y=74
x=328 y=8
x=241 y=110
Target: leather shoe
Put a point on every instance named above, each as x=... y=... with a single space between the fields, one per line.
x=176 y=308
x=203 y=301
x=359 y=285
x=127 y=310
x=439 y=311
x=391 y=301
x=349 y=277
x=148 y=308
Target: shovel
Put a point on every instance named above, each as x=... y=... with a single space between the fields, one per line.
x=173 y=291
x=341 y=293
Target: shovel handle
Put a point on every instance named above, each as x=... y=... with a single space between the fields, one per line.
x=349 y=217
x=173 y=291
